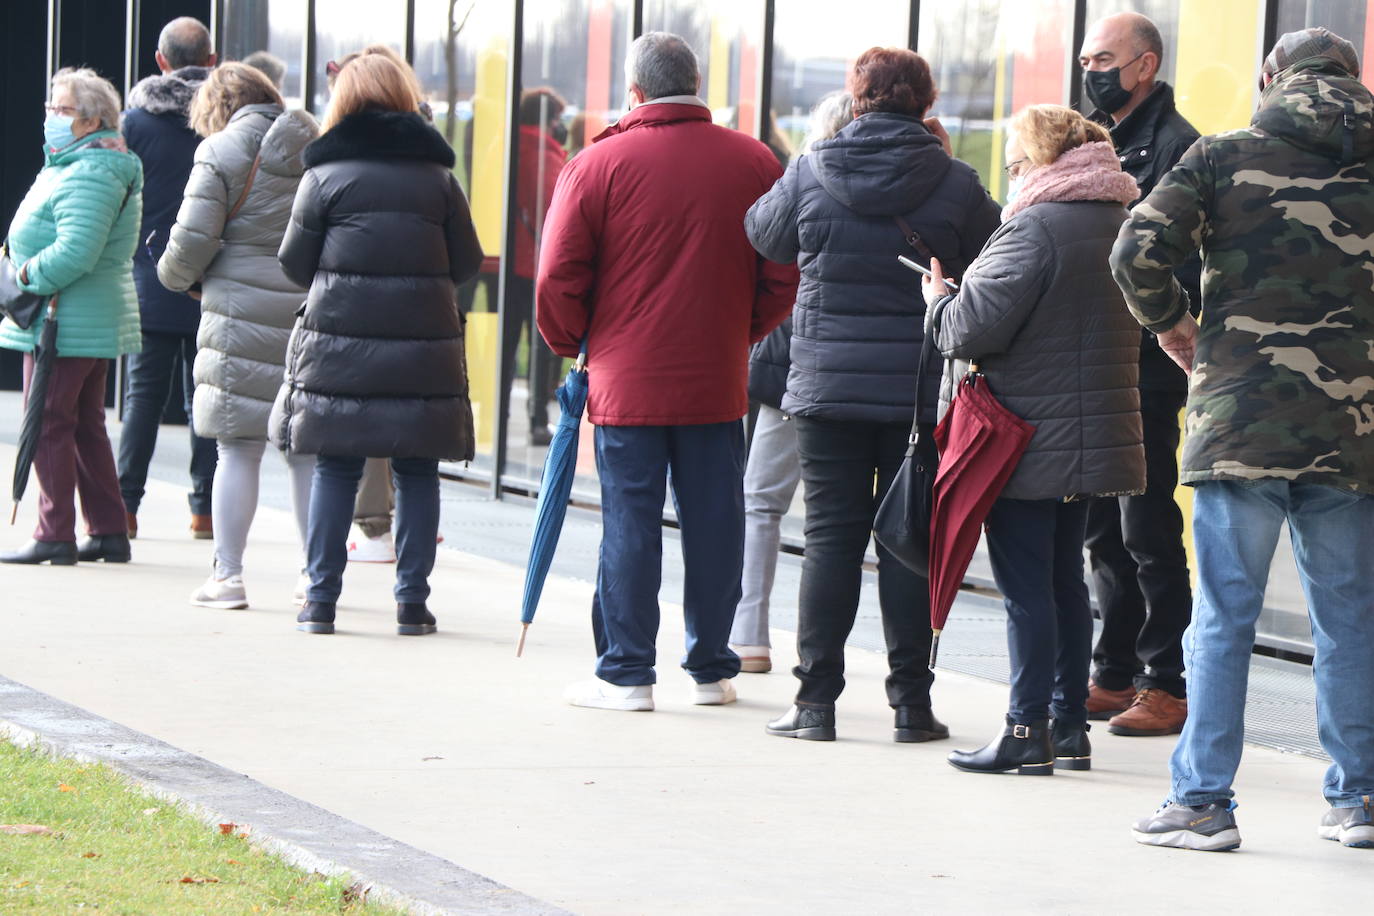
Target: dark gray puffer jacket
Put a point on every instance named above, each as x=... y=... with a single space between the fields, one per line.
x=1046 y=322
x=857 y=325
x=381 y=235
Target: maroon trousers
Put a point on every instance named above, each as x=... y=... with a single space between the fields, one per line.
x=74 y=454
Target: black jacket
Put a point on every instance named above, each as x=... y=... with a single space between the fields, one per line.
x=155 y=129
x=769 y=361
x=856 y=329
x=381 y=235
x=1150 y=141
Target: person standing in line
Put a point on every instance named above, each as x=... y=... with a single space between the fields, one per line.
x=773 y=468
x=1040 y=314
x=381 y=234
x=270 y=65
x=73 y=237
x=666 y=294
x=1135 y=543
x=157 y=129
x=845 y=212
x=234 y=213
x=1280 y=417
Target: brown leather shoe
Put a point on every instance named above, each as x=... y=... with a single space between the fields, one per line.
x=1154 y=712
x=201 y=528
x=132 y=521
x=1104 y=703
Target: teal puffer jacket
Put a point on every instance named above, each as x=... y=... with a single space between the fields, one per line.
x=76 y=231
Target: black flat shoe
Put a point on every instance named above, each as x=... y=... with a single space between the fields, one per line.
x=1072 y=749
x=917 y=723
x=810 y=723
x=58 y=553
x=414 y=620
x=112 y=548
x=316 y=617
x=1023 y=748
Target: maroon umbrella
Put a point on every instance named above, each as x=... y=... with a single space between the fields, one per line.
x=980 y=443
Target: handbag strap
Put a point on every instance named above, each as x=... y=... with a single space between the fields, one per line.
x=247 y=186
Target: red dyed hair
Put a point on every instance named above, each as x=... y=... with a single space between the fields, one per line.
x=891 y=79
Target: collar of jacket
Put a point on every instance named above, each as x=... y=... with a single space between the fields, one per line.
x=98 y=140
x=670 y=109
x=269 y=110
x=380 y=135
x=168 y=93
x=1137 y=129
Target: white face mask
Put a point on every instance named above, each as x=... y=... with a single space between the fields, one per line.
x=1014 y=188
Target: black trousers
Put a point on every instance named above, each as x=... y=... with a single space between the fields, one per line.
x=840 y=462
x=1140 y=568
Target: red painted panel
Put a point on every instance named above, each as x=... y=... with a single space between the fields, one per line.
x=601 y=22
x=748 y=86
x=1038 y=69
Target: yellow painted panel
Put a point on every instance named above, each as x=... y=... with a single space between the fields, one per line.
x=1001 y=93
x=483 y=342
x=1218 y=62
x=489 y=143
x=718 y=66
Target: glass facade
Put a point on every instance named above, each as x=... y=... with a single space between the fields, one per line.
x=342 y=26
x=275 y=26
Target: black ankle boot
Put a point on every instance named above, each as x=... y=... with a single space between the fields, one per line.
x=811 y=723
x=112 y=548
x=316 y=617
x=917 y=723
x=1072 y=750
x=414 y=619
x=58 y=553
x=1024 y=748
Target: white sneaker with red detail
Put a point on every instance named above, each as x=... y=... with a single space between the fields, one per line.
x=363 y=549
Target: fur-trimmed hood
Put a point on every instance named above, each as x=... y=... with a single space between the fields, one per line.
x=380 y=135
x=168 y=92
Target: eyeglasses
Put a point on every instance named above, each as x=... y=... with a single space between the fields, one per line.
x=1011 y=167
x=60 y=109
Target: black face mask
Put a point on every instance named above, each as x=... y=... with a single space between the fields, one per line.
x=1103 y=87
x=559 y=133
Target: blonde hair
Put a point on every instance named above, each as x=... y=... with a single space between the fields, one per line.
x=372 y=82
x=1046 y=132
x=228 y=88
x=386 y=51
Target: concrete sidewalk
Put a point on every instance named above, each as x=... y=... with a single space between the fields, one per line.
x=452 y=745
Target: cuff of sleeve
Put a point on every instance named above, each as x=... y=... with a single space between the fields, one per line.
x=1177 y=309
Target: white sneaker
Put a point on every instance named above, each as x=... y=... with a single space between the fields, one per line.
x=224 y=594
x=753 y=659
x=298 y=594
x=598 y=694
x=381 y=549
x=717 y=693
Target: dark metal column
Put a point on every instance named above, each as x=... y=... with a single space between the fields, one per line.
x=511 y=172
x=1080 y=28
x=913 y=25
x=1271 y=29
x=410 y=32
x=308 y=78
x=765 y=119
x=637 y=20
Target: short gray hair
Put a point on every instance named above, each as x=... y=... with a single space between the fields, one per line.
x=832 y=112
x=269 y=65
x=661 y=64
x=95 y=96
x=185 y=42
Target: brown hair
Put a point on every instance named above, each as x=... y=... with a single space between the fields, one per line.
x=891 y=79
x=1046 y=132
x=372 y=82
x=334 y=68
x=228 y=88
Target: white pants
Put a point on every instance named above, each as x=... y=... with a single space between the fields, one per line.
x=235 y=498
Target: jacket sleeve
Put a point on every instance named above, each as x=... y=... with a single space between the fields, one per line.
x=567 y=261
x=303 y=242
x=998 y=293
x=85 y=205
x=984 y=218
x=1164 y=231
x=771 y=222
x=464 y=249
x=194 y=241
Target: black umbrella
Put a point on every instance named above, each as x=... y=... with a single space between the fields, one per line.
x=32 y=428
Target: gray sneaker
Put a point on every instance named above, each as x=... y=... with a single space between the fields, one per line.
x=1349 y=826
x=1210 y=828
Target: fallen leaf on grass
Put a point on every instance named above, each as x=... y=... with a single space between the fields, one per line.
x=25 y=829
x=233 y=861
x=90 y=855
x=243 y=835
x=63 y=787
x=198 y=879
x=227 y=829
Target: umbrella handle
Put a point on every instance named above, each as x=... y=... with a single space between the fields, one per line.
x=14 y=512
x=520 y=645
x=934 y=645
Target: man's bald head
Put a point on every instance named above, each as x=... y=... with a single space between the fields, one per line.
x=1121 y=37
x=184 y=42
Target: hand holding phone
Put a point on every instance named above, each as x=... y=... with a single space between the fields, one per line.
x=949 y=284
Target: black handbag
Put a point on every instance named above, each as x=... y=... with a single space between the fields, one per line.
x=902 y=524
x=19 y=306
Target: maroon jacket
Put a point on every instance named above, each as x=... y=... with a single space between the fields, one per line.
x=644 y=254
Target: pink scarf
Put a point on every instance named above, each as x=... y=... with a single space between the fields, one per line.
x=1088 y=172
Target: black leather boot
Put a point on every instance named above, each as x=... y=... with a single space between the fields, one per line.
x=1072 y=750
x=112 y=548
x=1024 y=748
x=811 y=723
x=58 y=553
x=316 y=617
x=414 y=619
x=917 y=723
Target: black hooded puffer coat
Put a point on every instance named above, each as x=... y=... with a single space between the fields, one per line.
x=381 y=235
x=857 y=326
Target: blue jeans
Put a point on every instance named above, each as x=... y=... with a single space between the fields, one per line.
x=1036 y=548
x=147 y=388
x=331 y=513
x=706 y=466
x=1235 y=529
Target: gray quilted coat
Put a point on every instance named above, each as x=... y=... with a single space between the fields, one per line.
x=1040 y=312
x=248 y=305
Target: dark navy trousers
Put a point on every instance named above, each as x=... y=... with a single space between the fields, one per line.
x=705 y=465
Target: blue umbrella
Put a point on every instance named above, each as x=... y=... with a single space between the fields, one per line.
x=560 y=466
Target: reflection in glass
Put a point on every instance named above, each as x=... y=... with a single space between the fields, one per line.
x=1353 y=20
x=727 y=36
x=275 y=26
x=344 y=26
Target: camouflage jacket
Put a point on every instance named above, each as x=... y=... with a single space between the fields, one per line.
x=1283 y=377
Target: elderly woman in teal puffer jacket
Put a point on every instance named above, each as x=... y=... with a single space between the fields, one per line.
x=73 y=238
